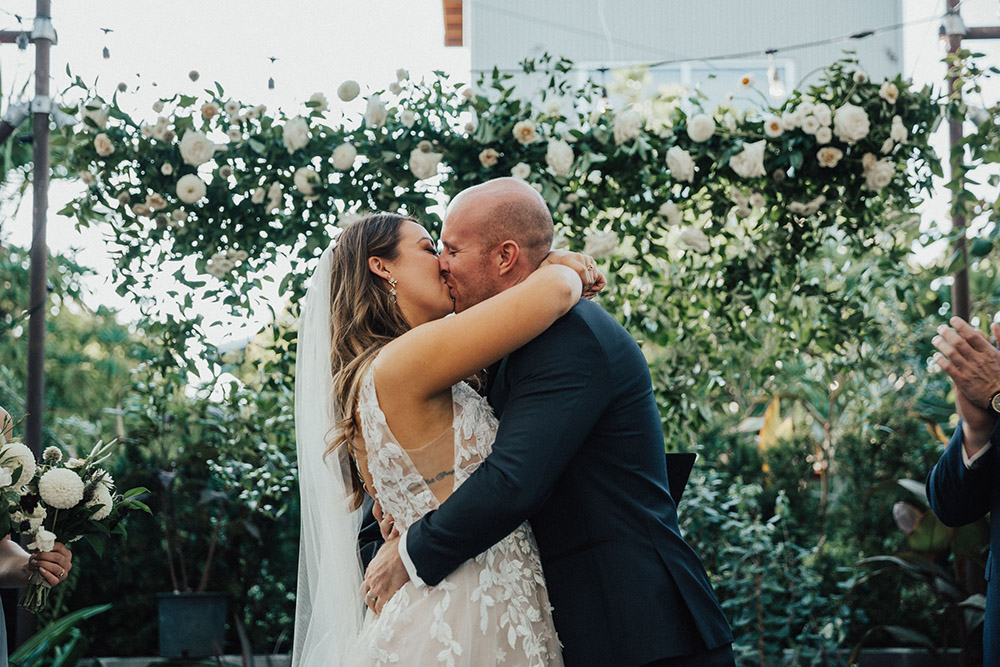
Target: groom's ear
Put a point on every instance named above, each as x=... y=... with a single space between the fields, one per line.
x=377 y=266
x=508 y=253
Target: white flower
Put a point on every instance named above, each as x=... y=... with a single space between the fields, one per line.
x=559 y=157
x=887 y=146
x=695 y=239
x=319 y=99
x=701 y=128
x=402 y=74
x=375 y=113
x=878 y=173
x=488 y=157
x=225 y=171
x=407 y=118
x=101 y=497
x=424 y=161
x=257 y=196
x=196 y=148
x=600 y=244
x=17 y=455
x=166 y=169
x=860 y=77
x=889 y=92
x=103 y=145
x=61 y=488
x=209 y=109
x=75 y=463
x=824 y=135
x=6 y=478
x=142 y=209
x=306 y=179
x=524 y=132
x=190 y=188
x=348 y=90
x=86 y=177
x=823 y=114
x=96 y=113
x=773 y=127
x=898 y=131
x=747 y=81
x=160 y=130
x=757 y=200
x=395 y=88
x=344 y=156
x=52 y=454
x=851 y=124
x=537 y=187
x=670 y=212
x=44 y=541
x=178 y=215
x=295 y=134
x=274 y=197
x=810 y=125
x=681 y=164
x=808 y=208
x=146 y=130
x=829 y=156
x=156 y=202
x=749 y=163
x=158 y=106
x=232 y=107
x=628 y=126
x=520 y=171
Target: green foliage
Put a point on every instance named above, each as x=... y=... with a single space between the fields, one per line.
x=59 y=644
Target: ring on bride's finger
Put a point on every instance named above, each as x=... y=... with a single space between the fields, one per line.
x=371 y=597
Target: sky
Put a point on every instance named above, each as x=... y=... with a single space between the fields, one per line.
x=317 y=45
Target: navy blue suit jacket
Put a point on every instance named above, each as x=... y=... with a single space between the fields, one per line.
x=579 y=453
x=960 y=495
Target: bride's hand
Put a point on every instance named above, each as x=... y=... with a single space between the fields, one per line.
x=386 y=524
x=592 y=278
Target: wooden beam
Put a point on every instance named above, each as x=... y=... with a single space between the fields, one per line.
x=452 y=22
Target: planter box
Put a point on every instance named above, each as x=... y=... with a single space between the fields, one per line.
x=192 y=625
x=894 y=657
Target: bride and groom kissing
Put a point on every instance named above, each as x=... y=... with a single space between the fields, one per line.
x=533 y=520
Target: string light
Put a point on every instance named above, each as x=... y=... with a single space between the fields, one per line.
x=106 y=52
x=775 y=86
x=270 y=80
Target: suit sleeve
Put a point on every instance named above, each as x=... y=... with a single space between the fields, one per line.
x=370 y=535
x=556 y=395
x=959 y=494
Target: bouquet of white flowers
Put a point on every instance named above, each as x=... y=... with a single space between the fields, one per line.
x=60 y=499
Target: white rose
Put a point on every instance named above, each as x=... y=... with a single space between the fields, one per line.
x=424 y=163
x=773 y=127
x=103 y=145
x=156 y=202
x=141 y=209
x=898 y=131
x=407 y=118
x=600 y=244
x=851 y=124
x=344 y=156
x=537 y=187
x=232 y=107
x=520 y=171
x=808 y=208
x=96 y=113
x=524 y=132
x=402 y=74
x=158 y=106
x=829 y=156
x=467 y=93
x=680 y=164
x=879 y=174
x=295 y=134
x=44 y=541
x=824 y=135
x=275 y=197
x=887 y=146
x=375 y=113
x=810 y=125
x=670 y=212
x=258 y=195
x=305 y=179
x=889 y=92
x=559 y=157
x=196 y=148
x=209 y=109
x=860 y=77
x=628 y=126
x=190 y=188
x=319 y=99
x=348 y=90
x=701 y=128
x=178 y=215
x=823 y=114
x=749 y=163
x=488 y=157
x=166 y=169
x=146 y=130
x=87 y=177
x=6 y=478
x=695 y=239
x=395 y=88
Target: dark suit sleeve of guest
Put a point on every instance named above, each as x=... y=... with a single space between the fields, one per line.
x=370 y=535
x=557 y=392
x=957 y=494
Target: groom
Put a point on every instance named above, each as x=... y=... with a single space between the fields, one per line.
x=579 y=453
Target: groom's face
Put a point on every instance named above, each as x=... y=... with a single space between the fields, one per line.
x=464 y=261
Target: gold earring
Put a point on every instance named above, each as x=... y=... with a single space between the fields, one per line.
x=392 y=288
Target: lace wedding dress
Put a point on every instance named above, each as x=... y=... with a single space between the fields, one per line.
x=494 y=609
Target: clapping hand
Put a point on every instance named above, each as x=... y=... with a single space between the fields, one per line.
x=973 y=364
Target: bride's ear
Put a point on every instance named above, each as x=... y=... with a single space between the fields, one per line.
x=378 y=266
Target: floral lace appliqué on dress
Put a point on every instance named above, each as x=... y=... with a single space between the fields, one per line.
x=492 y=610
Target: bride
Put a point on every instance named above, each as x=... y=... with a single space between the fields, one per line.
x=381 y=406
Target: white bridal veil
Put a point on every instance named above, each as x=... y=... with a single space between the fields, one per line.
x=328 y=610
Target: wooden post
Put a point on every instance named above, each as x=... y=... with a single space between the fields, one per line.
x=960 y=286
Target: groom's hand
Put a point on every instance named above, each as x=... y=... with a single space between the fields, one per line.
x=386 y=574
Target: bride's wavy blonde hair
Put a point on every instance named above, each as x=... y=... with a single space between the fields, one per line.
x=363 y=318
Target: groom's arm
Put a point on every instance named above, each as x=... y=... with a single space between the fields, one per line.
x=557 y=392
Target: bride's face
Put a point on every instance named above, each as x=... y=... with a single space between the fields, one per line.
x=421 y=292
